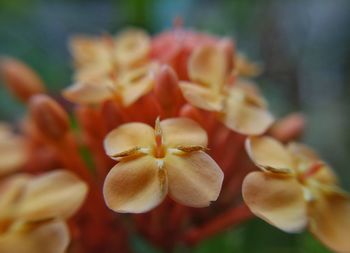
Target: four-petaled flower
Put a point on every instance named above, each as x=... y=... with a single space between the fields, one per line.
x=110 y=68
x=296 y=189
x=33 y=211
x=154 y=162
x=239 y=106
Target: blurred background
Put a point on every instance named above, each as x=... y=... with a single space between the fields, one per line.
x=304 y=46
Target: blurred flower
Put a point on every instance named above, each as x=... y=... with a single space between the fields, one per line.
x=296 y=189
x=155 y=161
x=33 y=211
x=13 y=153
x=110 y=68
x=239 y=106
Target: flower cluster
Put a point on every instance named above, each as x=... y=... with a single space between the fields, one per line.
x=170 y=126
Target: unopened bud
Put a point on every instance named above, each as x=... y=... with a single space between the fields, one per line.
x=49 y=117
x=167 y=89
x=288 y=128
x=21 y=80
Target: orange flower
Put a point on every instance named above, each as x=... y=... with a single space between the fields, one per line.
x=296 y=189
x=112 y=69
x=240 y=106
x=33 y=211
x=153 y=162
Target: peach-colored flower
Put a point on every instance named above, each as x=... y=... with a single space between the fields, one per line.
x=13 y=153
x=297 y=190
x=99 y=56
x=153 y=162
x=33 y=211
x=239 y=106
x=110 y=68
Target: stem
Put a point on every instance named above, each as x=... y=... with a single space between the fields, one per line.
x=220 y=223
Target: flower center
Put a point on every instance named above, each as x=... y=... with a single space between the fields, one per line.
x=310 y=171
x=159 y=150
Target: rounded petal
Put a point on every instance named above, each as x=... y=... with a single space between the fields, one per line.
x=208 y=65
x=136 y=83
x=56 y=194
x=132 y=46
x=135 y=185
x=183 y=132
x=127 y=137
x=330 y=221
x=48 y=237
x=13 y=154
x=11 y=189
x=276 y=199
x=88 y=93
x=194 y=178
x=246 y=118
x=251 y=92
x=89 y=51
x=201 y=97
x=269 y=154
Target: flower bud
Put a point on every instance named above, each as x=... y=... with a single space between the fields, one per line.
x=21 y=80
x=288 y=128
x=49 y=117
x=167 y=89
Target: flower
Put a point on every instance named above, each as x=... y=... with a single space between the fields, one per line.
x=33 y=211
x=110 y=68
x=13 y=153
x=296 y=190
x=153 y=162
x=239 y=106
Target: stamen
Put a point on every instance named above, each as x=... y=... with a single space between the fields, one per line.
x=158 y=133
x=159 y=150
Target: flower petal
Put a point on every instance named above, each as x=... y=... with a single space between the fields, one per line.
x=13 y=154
x=135 y=185
x=48 y=237
x=269 y=154
x=183 y=132
x=128 y=137
x=251 y=92
x=132 y=46
x=208 y=65
x=88 y=93
x=89 y=51
x=56 y=194
x=136 y=83
x=244 y=67
x=201 y=97
x=276 y=199
x=194 y=178
x=330 y=221
x=244 y=117
x=11 y=189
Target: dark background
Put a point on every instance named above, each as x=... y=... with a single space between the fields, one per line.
x=303 y=45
